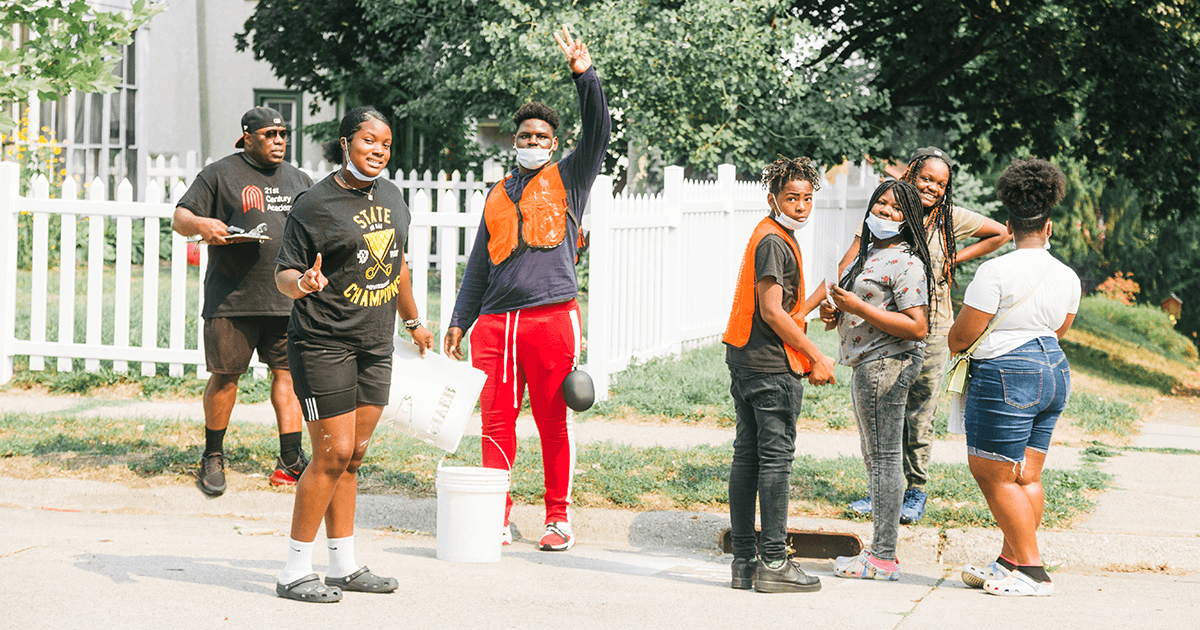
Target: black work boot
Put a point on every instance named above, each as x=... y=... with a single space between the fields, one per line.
x=743 y=573
x=786 y=579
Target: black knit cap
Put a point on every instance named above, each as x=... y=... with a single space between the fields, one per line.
x=932 y=152
x=256 y=119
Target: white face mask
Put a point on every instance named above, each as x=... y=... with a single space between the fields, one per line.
x=354 y=169
x=533 y=158
x=785 y=220
x=883 y=229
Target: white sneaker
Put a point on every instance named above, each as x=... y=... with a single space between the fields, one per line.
x=558 y=537
x=974 y=576
x=506 y=537
x=1017 y=584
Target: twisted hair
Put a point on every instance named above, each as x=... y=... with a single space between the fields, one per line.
x=913 y=232
x=940 y=220
x=1029 y=189
x=777 y=174
x=350 y=124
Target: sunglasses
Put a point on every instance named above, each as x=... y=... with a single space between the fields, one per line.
x=271 y=134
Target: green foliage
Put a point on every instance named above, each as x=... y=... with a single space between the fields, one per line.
x=1100 y=414
x=1140 y=325
x=70 y=47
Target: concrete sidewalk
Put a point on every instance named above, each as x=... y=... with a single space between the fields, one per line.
x=158 y=553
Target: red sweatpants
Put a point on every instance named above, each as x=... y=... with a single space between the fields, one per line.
x=535 y=347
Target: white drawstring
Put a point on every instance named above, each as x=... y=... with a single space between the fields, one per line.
x=516 y=320
x=504 y=365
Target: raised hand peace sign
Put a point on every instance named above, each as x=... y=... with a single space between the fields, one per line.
x=578 y=57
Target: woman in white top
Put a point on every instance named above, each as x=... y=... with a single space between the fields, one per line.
x=1020 y=379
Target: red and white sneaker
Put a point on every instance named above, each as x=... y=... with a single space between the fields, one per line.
x=558 y=537
x=288 y=475
x=506 y=537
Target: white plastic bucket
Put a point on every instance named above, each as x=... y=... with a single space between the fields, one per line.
x=432 y=396
x=470 y=513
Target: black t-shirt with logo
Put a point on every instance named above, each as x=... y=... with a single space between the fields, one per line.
x=361 y=239
x=240 y=280
x=764 y=350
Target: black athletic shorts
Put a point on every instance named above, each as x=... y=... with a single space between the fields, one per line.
x=229 y=342
x=331 y=380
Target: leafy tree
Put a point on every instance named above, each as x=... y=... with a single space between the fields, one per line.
x=1109 y=83
x=70 y=45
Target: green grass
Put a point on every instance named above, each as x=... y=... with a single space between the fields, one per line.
x=696 y=386
x=609 y=475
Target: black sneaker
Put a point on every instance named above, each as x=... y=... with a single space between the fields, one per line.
x=743 y=573
x=288 y=475
x=786 y=579
x=212 y=474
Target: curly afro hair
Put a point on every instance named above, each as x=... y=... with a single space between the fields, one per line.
x=540 y=111
x=1029 y=189
x=778 y=173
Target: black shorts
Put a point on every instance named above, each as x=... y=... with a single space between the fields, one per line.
x=331 y=380
x=229 y=342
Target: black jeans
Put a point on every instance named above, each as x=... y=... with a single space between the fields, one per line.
x=765 y=445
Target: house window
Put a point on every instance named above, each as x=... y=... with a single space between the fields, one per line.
x=98 y=132
x=285 y=102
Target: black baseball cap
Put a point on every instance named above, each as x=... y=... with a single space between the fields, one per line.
x=932 y=152
x=256 y=119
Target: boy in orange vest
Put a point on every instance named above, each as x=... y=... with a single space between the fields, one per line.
x=768 y=354
x=518 y=293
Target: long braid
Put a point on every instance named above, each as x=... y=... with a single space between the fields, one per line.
x=941 y=218
x=777 y=174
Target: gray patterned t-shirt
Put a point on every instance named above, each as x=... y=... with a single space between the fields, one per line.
x=892 y=279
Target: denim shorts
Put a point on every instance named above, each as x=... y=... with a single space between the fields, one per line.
x=1014 y=400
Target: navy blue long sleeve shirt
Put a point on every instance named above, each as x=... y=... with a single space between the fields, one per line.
x=533 y=277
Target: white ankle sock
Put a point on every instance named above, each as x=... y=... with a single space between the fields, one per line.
x=299 y=562
x=341 y=557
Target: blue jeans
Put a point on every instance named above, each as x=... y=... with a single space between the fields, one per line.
x=1014 y=400
x=767 y=406
x=880 y=393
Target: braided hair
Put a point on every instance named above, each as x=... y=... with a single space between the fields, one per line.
x=913 y=231
x=1029 y=189
x=777 y=174
x=940 y=219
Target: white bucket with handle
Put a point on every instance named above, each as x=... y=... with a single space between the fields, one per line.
x=470 y=513
x=432 y=397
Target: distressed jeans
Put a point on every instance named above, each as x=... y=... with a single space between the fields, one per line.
x=922 y=406
x=880 y=393
x=764 y=446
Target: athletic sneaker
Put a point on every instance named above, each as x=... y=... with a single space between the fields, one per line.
x=212 y=474
x=288 y=475
x=743 y=573
x=506 y=536
x=914 y=506
x=861 y=506
x=865 y=566
x=974 y=576
x=786 y=578
x=1017 y=584
x=558 y=537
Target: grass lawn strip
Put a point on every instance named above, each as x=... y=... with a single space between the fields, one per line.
x=608 y=474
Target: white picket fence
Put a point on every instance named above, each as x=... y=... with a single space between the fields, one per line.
x=662 y=267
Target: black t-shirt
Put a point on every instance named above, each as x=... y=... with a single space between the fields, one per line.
x=240 y=280
x=764 y=351
x=361 y=239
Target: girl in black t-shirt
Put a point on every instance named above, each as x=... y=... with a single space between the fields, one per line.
x=342 y=261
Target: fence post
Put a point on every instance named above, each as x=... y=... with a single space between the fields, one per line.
x=38 y=272
x=66 y=275
x=123 y=268
x=418 y=251
x=672 y=299
x=10 y=184
x=95 y=274
x=600 y=289
x=731 y=245
x=447 y=259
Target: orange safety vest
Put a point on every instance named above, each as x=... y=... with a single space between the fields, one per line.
x=745 y=298
x=539 y=219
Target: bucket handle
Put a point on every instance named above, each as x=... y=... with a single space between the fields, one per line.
x=497 y=447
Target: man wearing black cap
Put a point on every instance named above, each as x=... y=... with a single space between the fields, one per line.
x=238 y=206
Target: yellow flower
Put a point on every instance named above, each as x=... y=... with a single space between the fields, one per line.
x=57 y=150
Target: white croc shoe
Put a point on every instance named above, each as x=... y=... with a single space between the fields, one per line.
x=1017 y=584
x=974 y=576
